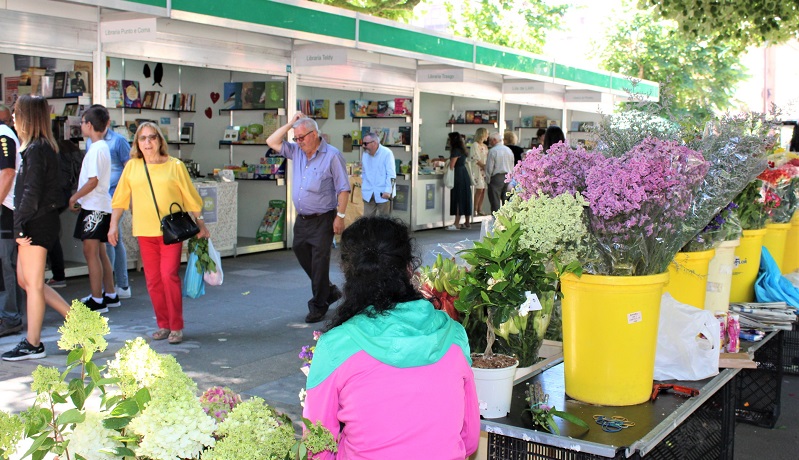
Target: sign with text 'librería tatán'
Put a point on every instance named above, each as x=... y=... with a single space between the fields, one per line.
x=128 y=30
x=440 y=75
x=310 y=56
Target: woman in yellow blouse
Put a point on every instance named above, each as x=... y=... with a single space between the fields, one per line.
x=171 y=183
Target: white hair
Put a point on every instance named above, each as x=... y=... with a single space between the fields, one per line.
x=496 y=136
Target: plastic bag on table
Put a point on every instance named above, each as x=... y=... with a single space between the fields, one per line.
x=771 y=286
x=193 y=284
x=214 y=278
x=688 y=342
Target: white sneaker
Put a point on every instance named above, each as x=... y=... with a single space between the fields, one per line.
x=123 y=293
x=452 y=228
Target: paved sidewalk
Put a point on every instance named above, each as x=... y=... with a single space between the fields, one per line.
x=247 y=333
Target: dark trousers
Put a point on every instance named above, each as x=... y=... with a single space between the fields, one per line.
x=12 y=296
x=56 y=256
x=497 y=191
x=313 y=239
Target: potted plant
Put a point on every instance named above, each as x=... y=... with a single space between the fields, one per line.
x=140 y=393
x=499 y=294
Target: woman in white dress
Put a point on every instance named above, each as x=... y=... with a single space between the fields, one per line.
x=477 y=164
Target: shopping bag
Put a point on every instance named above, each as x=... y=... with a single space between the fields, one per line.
x=214 y=278
x=771 y=286
x=193 y=285
x=449 y=178
x=688 y=342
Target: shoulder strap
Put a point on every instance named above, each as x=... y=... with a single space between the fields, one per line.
x=146 y=171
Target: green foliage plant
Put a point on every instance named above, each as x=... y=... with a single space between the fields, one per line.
x=543 y=415
x=497 y=284
x=204 y=262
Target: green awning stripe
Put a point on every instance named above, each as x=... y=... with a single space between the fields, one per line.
x=511 y=61
x=273 y=14
x=417 y=42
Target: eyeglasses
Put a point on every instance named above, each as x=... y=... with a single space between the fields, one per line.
x=367 y=143
x=146 y=137
x=300 y=138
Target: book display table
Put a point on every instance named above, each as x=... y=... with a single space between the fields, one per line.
x=671 y=427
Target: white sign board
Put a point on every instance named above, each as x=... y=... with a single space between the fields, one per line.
x=439 y=75
x=314 y=57
x=583 y=96
x=129 y=30
x=523 y=88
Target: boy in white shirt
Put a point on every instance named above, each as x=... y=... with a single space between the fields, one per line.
x=93 y=203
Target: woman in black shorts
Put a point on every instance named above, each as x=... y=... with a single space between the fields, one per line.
x=36 y=222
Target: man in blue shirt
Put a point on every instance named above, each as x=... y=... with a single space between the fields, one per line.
x=377 y=178
x=117 y=255
x=320 y=191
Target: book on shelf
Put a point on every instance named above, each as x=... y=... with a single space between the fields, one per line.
x=275 y=95
x=382 y=109
x=358 y=107
x=478 y=117
x=46 y=88
x=231 y=95
x=405 y=133
x=76 y=84
x=231 y=134
x=371 y=109
x=305 y=106
x=130 y=93
x=253 y=94
x=85 y=68
x=187 y=132
x=527 y=122
x=395 y=137
x=539 y=121
x=59 y=81
x=271 y=123
x=469 y=116
x=149 y=99
x=113 y=94
x=403 y=106
x=493 y=116
x=321 y=108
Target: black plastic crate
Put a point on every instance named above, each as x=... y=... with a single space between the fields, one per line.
x=790 y=351
x=706 y=434
x=758 y=390
x=507 y=448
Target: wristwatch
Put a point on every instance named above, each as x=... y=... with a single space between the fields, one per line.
x=200 y=217
x=341 y=214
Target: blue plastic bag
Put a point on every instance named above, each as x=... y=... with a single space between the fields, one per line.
x=771 y=286
x=193 y=284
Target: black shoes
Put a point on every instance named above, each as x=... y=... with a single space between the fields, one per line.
x=315 y=317
x=333 y=295
x=93 y=305
x=112 y=302
x=7 y=329
x=25 y=351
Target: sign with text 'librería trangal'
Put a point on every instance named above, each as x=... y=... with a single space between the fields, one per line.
x=128 y=30
x=439 y=75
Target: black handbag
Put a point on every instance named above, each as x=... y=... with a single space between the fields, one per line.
x=176 y=226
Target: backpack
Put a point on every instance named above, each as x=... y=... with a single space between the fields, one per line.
x=70 y=160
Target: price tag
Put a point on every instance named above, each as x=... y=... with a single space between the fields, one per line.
x=530 y=304
x=634 y=317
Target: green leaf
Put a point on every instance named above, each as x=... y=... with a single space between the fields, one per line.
x=569 y=418
x=119 y=452
x=116 y=423
x=142 y=397
x=126 y=408
x=38 y=441
x=77 y=393
x=93 y=371
x=74 y=356
x=70 y=416
x=57 y=398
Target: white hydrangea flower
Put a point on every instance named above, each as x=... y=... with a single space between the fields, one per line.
x=90 y=438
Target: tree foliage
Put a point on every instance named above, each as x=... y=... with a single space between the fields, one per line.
x=742 y=22
x=699 y=75
x=517 y=24
x=397 y=10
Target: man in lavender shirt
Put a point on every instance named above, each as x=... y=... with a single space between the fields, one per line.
x=320 y=191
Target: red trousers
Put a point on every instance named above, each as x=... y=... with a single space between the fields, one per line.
x=161 y=264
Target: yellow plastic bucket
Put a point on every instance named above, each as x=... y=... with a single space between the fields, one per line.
x=790 y=261
x=610 y=328
x=775 y=239
x=688 y=277
x=747 y=262
x=719 y=276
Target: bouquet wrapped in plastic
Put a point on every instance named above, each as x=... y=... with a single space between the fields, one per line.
x=781 y=178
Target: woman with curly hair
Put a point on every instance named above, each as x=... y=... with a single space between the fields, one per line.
x=383 y=347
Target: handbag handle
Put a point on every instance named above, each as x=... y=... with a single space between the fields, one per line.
x=146 y=171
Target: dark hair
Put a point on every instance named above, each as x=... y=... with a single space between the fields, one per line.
x=456 y=142
x=378 y=258
x=553 y=135
x=540 y=132
x=98 y=117
x=794 y=146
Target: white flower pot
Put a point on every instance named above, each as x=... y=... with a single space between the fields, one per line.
x=494 y=388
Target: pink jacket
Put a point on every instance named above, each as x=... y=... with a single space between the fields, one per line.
x=381 y=412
